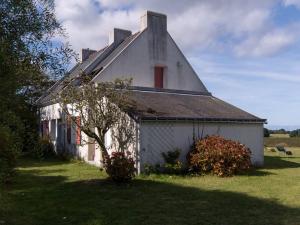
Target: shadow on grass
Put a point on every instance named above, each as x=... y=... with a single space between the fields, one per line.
x=255 y=172
x=52 y=200
x=30 y=162
x=277 y=162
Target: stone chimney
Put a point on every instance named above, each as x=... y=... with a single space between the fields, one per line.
x=156 y=25
x=154 y=21
x=118 y=35
x=85 y=53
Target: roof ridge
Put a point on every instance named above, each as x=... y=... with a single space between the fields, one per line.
x=116 y=52
x=92 y=62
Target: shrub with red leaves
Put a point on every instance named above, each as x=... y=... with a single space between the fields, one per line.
x=120 y=167
x=220 y=156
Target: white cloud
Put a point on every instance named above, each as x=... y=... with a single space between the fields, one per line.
x=88 y=27
x=268 y=43
x=195 y=25
x=235 y=70
x=292 y=2
x=244 y=27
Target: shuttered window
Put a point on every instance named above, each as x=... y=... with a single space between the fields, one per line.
x=69 y=134
x=45 y=128
x=158 y=77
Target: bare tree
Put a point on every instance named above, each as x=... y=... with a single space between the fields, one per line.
x=102 y=107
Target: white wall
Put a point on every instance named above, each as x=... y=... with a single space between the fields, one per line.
x=137 y=62
x=50 y=112
x=53 y=112
x=158 y=137
x=83 y=151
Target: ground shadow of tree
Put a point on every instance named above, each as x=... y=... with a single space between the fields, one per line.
x=28 y=162
x=141 y=202
x=277 y=162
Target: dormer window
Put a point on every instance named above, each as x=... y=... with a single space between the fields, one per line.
x=158 y=77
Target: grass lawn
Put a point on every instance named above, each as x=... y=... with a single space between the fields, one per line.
x=55 y=192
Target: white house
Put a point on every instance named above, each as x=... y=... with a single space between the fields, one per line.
x=175 y=103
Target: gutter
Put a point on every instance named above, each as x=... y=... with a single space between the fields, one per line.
x=226 y=120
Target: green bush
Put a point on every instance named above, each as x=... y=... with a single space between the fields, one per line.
x=120 y=167
x=44 y=149
x=64 y=154
x=176 y=168
x=288 y=152
x=219 y=156
x=171 y=157
x=281 y=145
x=266 y=132
x=295 y=133
x=148 y=169
x=8 y=155
x=172 y=164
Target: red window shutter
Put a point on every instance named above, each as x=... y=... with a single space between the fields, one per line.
x=78 y=131
x=45 y=128
x=69 y=130
x=42 y=129
x=158 y=77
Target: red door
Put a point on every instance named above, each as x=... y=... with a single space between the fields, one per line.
x=158 y=77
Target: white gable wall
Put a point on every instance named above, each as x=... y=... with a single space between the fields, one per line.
x=137 y=62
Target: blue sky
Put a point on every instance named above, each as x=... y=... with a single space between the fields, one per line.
x=245 y=52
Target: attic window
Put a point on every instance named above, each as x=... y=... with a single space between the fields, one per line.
x=158 y=77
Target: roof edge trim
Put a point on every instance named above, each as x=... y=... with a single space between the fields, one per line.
x=113 y=59
x=227 y=120
x=168 y=91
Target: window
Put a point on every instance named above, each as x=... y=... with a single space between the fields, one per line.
x=158 y=77
x=45 y=128
x=78 y=131
x=60 y=131
x=69 y=130
x=53 y=130
x=73 y=130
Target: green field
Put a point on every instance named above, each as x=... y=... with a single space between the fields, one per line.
x=279 y=135
x=290 y=142
x=75 y=193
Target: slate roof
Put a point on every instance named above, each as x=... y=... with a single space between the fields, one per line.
x=93 y=65
x=158 y=104
x=117 y=51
